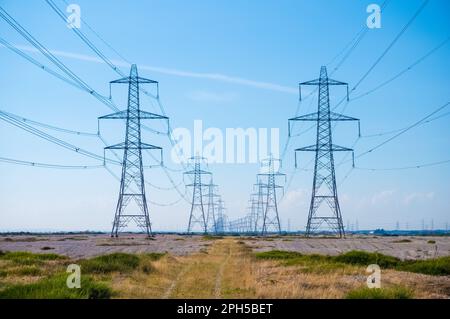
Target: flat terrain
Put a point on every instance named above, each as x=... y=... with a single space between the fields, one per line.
x=82 y=246
x=403 y=247
x=173 y=266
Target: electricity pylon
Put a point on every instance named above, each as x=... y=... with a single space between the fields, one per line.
x=221 y=220
x=132 y=181
x=324 y=182
x=197 y=215
x=271 y=219
x=212 y=207
x=260 y=201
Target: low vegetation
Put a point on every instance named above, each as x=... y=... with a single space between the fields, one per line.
x=397 y=292
x=437 y=267
x=55 y=287
x=117 y=262
x=27 y=258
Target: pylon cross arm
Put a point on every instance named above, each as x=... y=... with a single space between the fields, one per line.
x=143 y=115
x=132 y=146
x=128 y=79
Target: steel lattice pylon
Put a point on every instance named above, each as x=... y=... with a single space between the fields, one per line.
x=324 y=183
x=197 y=215
x=211 y=220
x=132 y=182
x=271 y=219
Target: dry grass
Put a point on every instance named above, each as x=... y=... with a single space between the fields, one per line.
x=227 y=268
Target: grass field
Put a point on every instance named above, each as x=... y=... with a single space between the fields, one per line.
x=224 y=268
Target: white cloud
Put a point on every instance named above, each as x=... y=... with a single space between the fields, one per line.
x=382 y=197
x=295 y=198
x=417 y=197
x=176 y=72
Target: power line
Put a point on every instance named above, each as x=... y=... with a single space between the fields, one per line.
x=404 y=167
x=116 y=69
x=396 y=76
x=47 y=165
x=403 y=131
x=400 y=129
x=5 y=117
x=51 y=127
x=38 y=64
x=391 y=44
x=77 y=82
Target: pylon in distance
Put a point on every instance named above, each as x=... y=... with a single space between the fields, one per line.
x=197 y=215
x=132 y=182
x=324 y=187
x=271 y=218
x=212 y=207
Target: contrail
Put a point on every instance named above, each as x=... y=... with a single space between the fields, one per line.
x=174 y=72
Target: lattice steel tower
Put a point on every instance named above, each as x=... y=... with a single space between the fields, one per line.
x=271 y=219
x=132 y=182
x=211 y=221
x=324 y=182
x=197 y=215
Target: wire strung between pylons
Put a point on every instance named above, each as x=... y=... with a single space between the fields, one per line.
x=52 y=139
x=50 y=127
x=78 y=85
x=75 y=78
x=408 y=68
x=47 y=165
x=116 y=69
x=375 y=64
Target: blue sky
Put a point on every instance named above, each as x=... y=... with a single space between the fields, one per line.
x=231 y=64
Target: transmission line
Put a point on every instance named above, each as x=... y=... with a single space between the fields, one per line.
x=391 y=44
x=47 y=165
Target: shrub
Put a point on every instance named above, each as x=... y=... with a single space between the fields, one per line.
x=437 y=267
x=402 y=241
x=380 y=293
x=278 y=254
x=119 y=262
x=431 y=242
x=363 y=258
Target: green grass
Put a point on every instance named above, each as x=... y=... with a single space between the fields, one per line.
x=55 y=287
x=278 y=254
x=380 y=293
x=363 y=258
x=308 y=263
x=116 y=262
x=27 y=258
x=321 y=263
x=436 y=267
x=27 y=271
